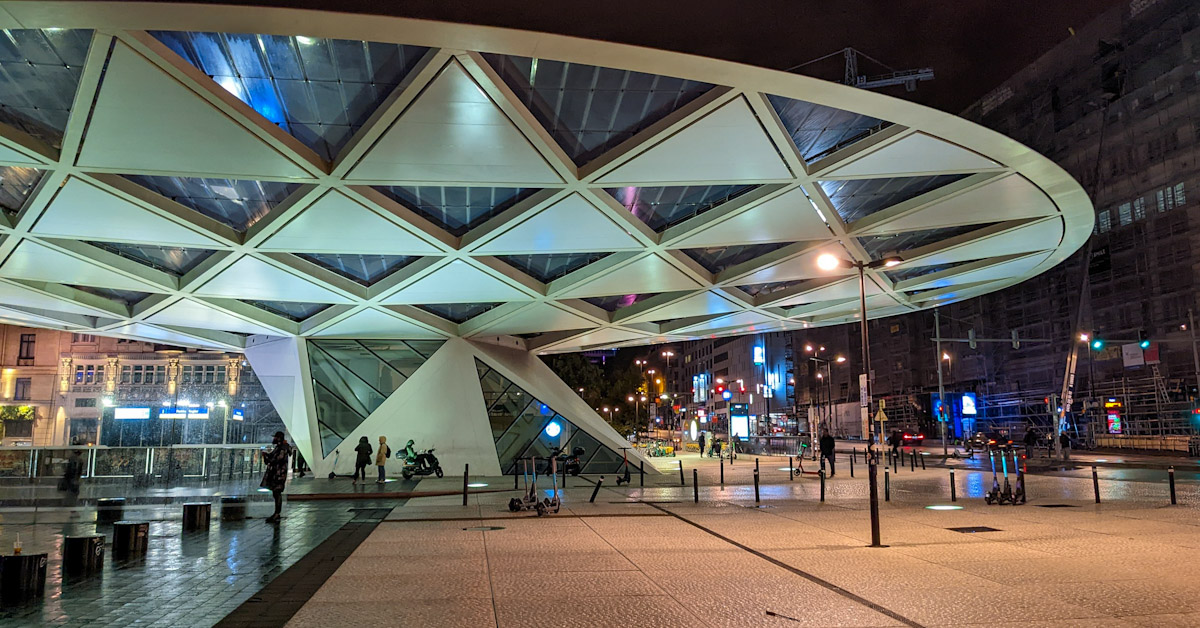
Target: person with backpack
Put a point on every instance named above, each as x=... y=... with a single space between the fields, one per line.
x=381 y=457
x=362 y=459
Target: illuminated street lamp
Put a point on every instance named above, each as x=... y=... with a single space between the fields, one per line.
x=828 y=262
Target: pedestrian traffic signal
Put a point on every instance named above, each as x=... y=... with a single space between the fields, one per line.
x=1097 y=344
x=1143 y=341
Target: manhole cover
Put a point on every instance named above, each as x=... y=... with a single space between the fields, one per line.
x=1057 y=506
x=760 y=506
x=972 y=529
x=483 y=528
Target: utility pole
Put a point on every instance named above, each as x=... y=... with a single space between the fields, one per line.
x=1195 y=355
x=937 y=332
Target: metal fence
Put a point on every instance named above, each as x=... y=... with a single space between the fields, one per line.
x=144 y=463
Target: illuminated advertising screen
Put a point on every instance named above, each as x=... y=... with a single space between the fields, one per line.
x=759 y=355
x=968 y=404
x=739 y=419
x=131 y=413
x=700 y=388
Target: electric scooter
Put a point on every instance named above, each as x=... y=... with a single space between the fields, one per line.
x=1019 y=493
x=529 y=500
x=993 y=496
x=624 y=479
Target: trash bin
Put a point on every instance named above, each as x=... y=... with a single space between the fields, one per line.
x=129 y=538
x=83 y=555
x=233 y=508
x=22 y=578
x=110 y=509
x=196 y=516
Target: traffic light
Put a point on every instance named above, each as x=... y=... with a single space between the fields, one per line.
x=1097 y=344
x=1143 y=341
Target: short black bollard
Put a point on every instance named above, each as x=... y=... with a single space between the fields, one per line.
x=953 y=489
x=564 y=476
x=887 y=485
x=902 y=457
x=889 y=458
x=83 y=555
x=791 y=471
x=681 y=482
x=466 y=472
x=516 y=486
x=1171 y=479
x=896 y=464
x=756 y=465
x=756 y=499
x=722 y=472
x=822 y=473
x=129 y=538
x=851 y=465
x=596 y=490
x=110 y=509
x=912 y=461
x=196 y=516
x=1096 y=483
x=642 y=473
x=922 y=462
x=22 y=578
x=695 y=487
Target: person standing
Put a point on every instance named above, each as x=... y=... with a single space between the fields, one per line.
x=1065 y=442
x=1031 y=439
x=894 y=440
x=381 y=457
x=701 y=444
x=362 y=459
x=827 y=444
x=275 y=476
x=71 y=476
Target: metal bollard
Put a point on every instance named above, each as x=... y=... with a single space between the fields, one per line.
x=681 y=482
x=1171 y=479
x=516 y=485
x=902 y=457
x=756 y=499
x=756 y=465
x=642 y=473
x=791 y=470
x=1096 y=483
x=466 y=472
x=596 y=490
x=922 y=463
x=851 y=465
x=822 y=473
x=564 y=476
x=722 y=472
x=695 y=487
x=953 y=489
x=887 y=485
x=912 y=460
x=896 y=464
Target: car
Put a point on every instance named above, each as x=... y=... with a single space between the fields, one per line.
x=912 y=437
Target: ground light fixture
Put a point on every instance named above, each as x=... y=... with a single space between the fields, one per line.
x=828 y=262
x=943 y=507
x=477 y=485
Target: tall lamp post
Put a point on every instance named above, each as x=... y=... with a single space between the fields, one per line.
x=828 y=262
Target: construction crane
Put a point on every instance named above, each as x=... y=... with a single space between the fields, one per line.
x=907 y=78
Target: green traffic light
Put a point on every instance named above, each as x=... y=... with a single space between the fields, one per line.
x=1097 y=344
x=1145 y=344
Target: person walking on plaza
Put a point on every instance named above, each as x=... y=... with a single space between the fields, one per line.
x=701 y=444
x=275 y=476
x=894 y=440
x=1065 y=442
x=362 y=459
x=827 y=444
x=716 y=447
x=381 y=458
x=297 y=460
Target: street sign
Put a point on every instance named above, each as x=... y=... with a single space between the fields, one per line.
x=880 y=416
x=864 y=397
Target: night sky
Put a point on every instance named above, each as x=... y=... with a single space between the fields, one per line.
x=972 y=45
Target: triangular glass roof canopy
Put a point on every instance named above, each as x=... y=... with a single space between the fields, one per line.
x=456 y=209
x=238 y=203
x=321 y=91
x=128 y=297
x=458 y=312
x=879 y=246
x=364 y=269
x=918 y=271
x=818 y=130
x=291 y=310
x=352 y=378
x=589 y=109
x=764 y=289
x=16 y=184
x=521 y=427
x=663 y=207
x=547 y=268
x=39 y=74
x=856 y=199
x=717 y=258
x=614 y=303
x=174 y=260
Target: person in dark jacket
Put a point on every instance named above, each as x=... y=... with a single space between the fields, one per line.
x=701 y=443
x=275 y=476
x=71 y=476
x=1065 y=442
x=1031 y=440
x=895 y=440
x=363 y=459
x=827 y=444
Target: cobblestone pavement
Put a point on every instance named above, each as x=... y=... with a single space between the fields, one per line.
x=185 y=579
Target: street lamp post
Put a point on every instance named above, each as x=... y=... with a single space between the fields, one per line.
x=828 y=262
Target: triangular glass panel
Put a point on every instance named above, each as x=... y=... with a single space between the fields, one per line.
x=856 y=199
x=663 y=207
x=364 y=269
x=238 y=203
x=16 y=184
x=458 y=312
x=292 y=310
x=818 y=130
x=547 y=268
x=589 y=109
x=456 y=209
x=335 y=419
x=321 y=91
x=169 y=259
x=128 y=297
x=918 y=271
x=767 y=288
x=521 y=424
x=39 y=73
x=717 y=258
x=883 y=245
x=614 y=303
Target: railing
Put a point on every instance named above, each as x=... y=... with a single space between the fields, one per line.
x=207 y=462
